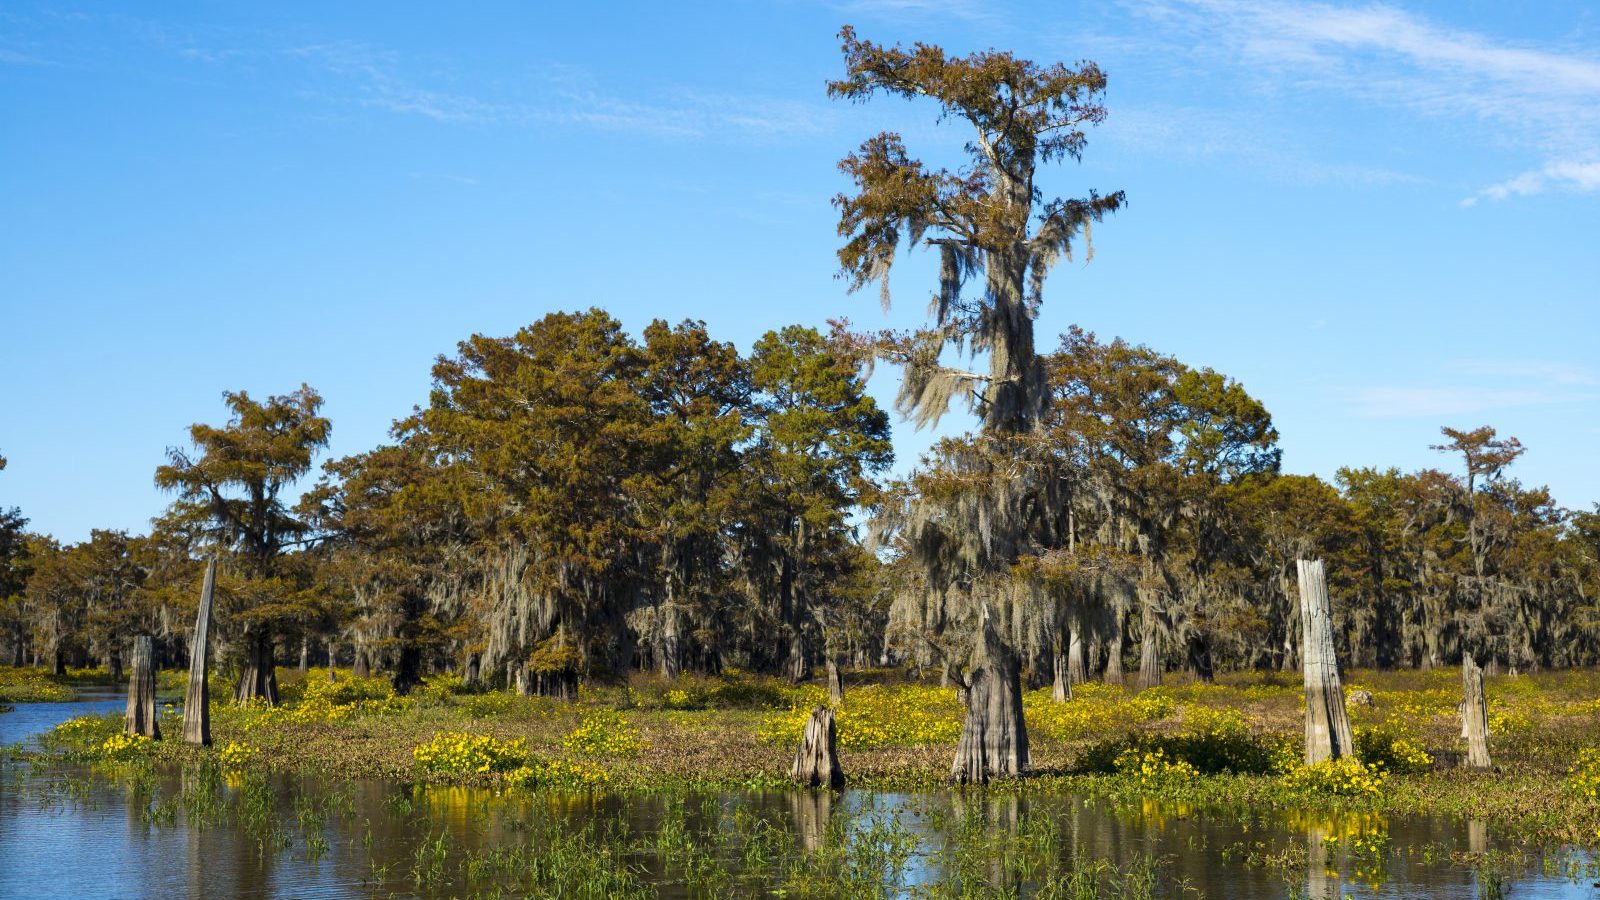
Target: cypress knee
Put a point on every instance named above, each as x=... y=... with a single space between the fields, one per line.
x=816 y=763
x=141 y=715
x=1327 y=726
x=197 y=700
x=1474 y=714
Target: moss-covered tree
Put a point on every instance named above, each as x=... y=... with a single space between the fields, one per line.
x=988 y=221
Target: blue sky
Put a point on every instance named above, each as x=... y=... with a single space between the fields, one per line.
x=1380 y=218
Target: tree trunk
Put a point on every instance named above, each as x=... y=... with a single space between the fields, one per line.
x=360 y=667
x=835 y=682
x=1474 y=714
x=1149 y=649
x=1199 y=650
x=141 y=715
x=994 y=737
x=58 y=666
x=472 y=671
x=114 y=665
x=1077 y=670
x=408 y=670
x=1115 y=646
x=798 y=665
x=197 y=700
x=669 y=652
x=1061 y=690
x=561 y=684
x=816 y=763
x=1327 y=726
x=259 y=677
x=305 y=654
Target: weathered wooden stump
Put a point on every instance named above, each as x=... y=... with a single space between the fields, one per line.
x=197 y=700
x=1474 y=714
x=994 y=738
x=835 y=682
x=141 y=715
x=1327 y=726
x=816 y=763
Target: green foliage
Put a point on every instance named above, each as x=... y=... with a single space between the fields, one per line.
x=1393 y=751
x=1215 y=743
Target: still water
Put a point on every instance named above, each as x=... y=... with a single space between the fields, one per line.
x=68 y=832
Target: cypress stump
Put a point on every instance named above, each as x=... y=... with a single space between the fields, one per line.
x=1474 y=714
x=816 y=763
x=1327 y=726
x=141 y=715
x=197 y=700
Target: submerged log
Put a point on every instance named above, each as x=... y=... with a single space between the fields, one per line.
x=141 y=715
x=994 y=738
x=1327 y=725
x=1474 y=714
x=816 y=763
x=197 y=700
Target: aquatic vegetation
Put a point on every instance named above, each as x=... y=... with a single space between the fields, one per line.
x=1584 y=777
x=83 y=735
x=27 y=684
x=456 y=753
x=1095 y=709
x=1153 y=767
x=557 y=773
x=604 y=733
x=1391 y=750
x=1343 y=777
x=1216 y=741
x=124 y=747
x=237 y=756
x=1505 y=720
x=875 y=717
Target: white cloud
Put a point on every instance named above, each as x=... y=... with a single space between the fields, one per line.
x=1530 y=369
x=1566 y=176
x=1399 y=402
x=1480 y=385
x=560 y=95
x=1540 y=101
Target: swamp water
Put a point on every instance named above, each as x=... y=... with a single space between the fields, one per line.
x=68 y=831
